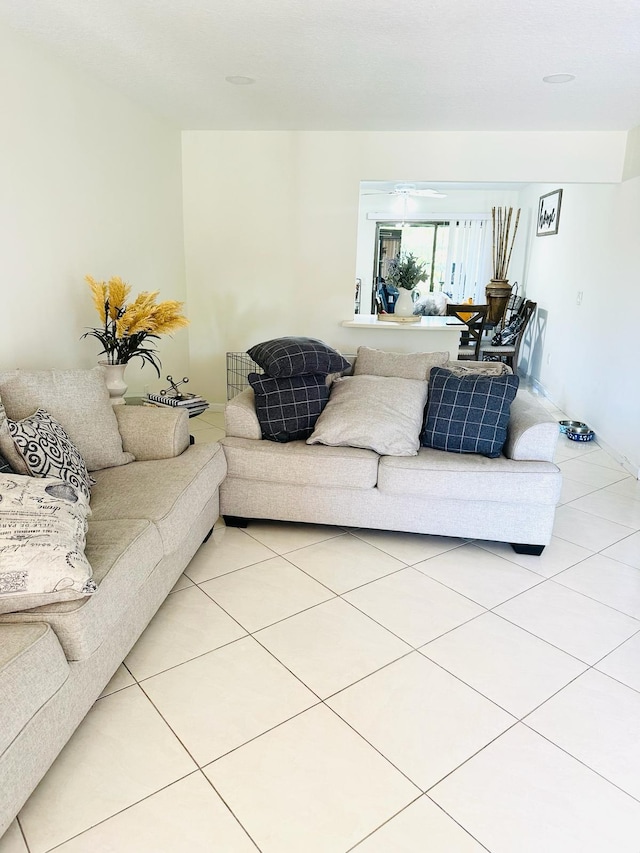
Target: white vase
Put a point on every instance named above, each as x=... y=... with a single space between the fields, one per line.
x=404 y=303
x=114 y=380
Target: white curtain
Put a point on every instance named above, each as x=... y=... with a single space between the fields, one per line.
x=468 y=259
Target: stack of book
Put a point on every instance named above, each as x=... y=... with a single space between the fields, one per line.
x=193 y=403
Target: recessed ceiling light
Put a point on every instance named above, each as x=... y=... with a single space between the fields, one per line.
x=559 y=78
x=239 y=80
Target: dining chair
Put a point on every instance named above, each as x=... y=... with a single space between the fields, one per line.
x=473 y=318
x=509 y=352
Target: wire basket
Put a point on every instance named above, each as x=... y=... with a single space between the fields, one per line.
x=239 y=366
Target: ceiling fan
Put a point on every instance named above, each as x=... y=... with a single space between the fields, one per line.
x=407 y=191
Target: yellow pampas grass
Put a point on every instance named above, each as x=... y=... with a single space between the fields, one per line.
x=99 y=291
x=118 y=292
x=127 y=328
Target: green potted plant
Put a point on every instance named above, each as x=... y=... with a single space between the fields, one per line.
x=406 y=271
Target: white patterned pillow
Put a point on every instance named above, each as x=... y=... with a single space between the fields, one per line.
x=43 y=525
x=48 y=451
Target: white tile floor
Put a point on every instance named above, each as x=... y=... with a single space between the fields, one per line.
x=317 y=690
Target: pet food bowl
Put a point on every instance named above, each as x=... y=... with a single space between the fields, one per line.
x=566 y=425
x=580 y=433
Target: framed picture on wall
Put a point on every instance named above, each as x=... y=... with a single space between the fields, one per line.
x=549 y=213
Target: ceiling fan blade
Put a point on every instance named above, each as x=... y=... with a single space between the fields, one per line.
x=428 y=193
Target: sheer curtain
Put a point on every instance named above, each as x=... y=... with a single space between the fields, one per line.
x=468 y=259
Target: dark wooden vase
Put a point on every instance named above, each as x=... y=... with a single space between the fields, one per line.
x=498 y=292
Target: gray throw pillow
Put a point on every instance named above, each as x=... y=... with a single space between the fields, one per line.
x=380 y=413
x=412 y=365
x=78 y=400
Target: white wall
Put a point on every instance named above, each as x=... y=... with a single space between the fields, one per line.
x=585 y=355
x=91 y=183
x=271 y=220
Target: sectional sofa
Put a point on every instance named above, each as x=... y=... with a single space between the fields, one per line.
x=149 y=517
x=156 y=498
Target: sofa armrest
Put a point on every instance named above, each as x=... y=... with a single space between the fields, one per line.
x=240 y=417
x=153 y=433
x=532 y=433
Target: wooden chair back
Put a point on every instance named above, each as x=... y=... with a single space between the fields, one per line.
x=474 y=318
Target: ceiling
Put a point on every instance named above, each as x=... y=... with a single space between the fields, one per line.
x=355 y=64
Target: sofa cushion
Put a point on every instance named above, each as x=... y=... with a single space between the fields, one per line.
x=43 y=524
x=288 y=408
x=380 y=413
x=123 y=554
x=5 y=468
x=48 y=451
x=439 y=475
x=168 y=492
x=77 y=399
x=32 y=670
x=468 y=414
x=412 y=365
x=292 y=356
x=297 y=463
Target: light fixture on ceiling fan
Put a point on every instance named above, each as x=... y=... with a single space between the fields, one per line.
x=407 y=190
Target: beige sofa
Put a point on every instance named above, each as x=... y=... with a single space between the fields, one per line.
x=510 y=499
x=148 y=519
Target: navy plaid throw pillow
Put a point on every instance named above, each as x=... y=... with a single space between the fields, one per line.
x=288 y=408
x=468 y=414
x=296 y=357
x=5 y=468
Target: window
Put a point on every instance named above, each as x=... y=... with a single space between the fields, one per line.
x=455 y=253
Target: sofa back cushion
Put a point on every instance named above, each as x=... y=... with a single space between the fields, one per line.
x=78 y=400
x=412 y=365
x=468 y=414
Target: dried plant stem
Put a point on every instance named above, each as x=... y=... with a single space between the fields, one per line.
x=515 y=231
x=501 y=221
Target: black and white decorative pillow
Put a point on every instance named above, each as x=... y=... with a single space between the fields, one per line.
x=291 y=356
x=468 y=414
x=49 y=452
x=288 y=408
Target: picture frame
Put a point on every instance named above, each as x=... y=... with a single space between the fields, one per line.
x=549 y=213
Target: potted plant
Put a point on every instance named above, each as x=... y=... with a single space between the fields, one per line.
x=129 y=330
x=405 y=272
